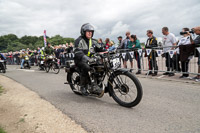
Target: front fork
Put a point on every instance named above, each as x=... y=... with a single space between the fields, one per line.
x=116 y=79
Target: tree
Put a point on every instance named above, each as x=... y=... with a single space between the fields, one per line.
x=28 y=40
x=11 y=37
x=56 y=40
x=11 y=42
x=3 y=43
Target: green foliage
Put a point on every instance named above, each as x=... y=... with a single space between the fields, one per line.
x=11 y=42
x=2 y=130
x=1 y=89
x=57 y=39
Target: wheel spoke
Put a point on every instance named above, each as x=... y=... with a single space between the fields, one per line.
x=127 y=90
x=125 y=97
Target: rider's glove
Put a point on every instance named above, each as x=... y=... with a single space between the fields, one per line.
x=91 y=60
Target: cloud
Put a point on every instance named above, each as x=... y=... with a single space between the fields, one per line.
x=110 y=18
x=119 y=28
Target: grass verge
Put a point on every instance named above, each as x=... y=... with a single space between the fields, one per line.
x=1 y=89
x=2 y=130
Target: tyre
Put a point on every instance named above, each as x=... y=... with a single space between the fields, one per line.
x=3 y=68
x=47 y=68
x=4 y=71
x=24 y=65
x=73 y=79
x=126 y=90
x=55 y=68
x=41 y=67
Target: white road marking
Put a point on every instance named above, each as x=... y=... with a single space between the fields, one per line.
x=26 y=70
x=161 y=76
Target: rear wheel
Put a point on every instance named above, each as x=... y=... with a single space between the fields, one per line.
x=55 y=68
x=73 y=79
x=125 y=89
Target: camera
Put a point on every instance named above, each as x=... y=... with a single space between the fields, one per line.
x=182 y=33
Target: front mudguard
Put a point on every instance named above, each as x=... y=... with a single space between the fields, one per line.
x=109 y=85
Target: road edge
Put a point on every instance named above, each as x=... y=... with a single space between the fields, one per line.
x=40 y=111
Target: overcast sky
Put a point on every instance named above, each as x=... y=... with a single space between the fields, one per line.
x=110 y=18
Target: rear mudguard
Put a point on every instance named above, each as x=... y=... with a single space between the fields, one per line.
x=108 y=87
x=70 y=69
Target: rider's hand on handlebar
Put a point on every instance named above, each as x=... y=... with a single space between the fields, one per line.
x=91 y=60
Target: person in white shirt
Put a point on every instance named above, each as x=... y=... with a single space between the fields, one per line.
x=185 y=40
x=169 y=40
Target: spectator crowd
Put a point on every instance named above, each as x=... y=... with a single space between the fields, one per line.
x=177 y=53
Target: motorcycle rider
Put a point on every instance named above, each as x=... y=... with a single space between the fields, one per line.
x=85 y=45
x=42 y=53
x=48 y=51
x=22 y=56
x=41 y=57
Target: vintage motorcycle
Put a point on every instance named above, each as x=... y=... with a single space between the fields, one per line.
x=41 y=62
x=106 y=76
x=26 y=62
x=52 y=64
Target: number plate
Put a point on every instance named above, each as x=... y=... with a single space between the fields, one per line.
x=42 y=62
x=1 y=60
x=116 y=63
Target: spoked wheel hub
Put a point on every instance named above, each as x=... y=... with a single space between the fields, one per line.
x=77 y=80
x=124 y=89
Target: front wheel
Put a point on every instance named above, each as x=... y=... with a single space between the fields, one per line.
x=47 y=68
x=125 y=89
x=55 y=68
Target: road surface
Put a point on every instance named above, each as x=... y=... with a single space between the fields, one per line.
x=166 y=107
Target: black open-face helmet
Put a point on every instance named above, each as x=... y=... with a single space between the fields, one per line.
x=87 y=27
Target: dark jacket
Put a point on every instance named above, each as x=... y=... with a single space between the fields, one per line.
x=197 y=44
x=197 y=40
x=186 y=51
x=48 y=50
x=152 y=42
x=82 y=47
x=57 y=53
